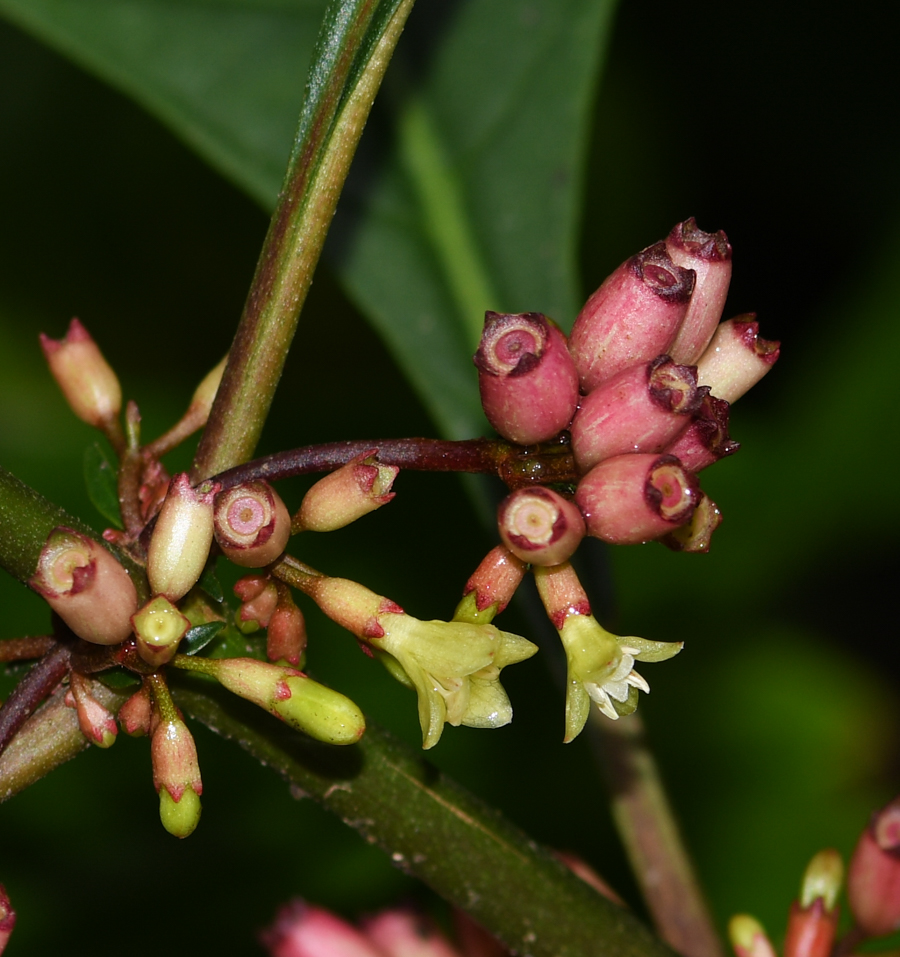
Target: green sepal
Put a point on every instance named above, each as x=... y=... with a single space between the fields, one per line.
x=101 y=479
x=651 y=650
x=629 y=706
x=394 y=668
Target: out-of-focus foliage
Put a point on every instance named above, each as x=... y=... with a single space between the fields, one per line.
x=776 y=725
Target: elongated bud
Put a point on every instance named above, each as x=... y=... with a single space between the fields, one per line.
x=82 y=582
x=873 y=878
x=159 y=626
x=639 y=410
x=351 y=605
x=87 y=381
x=539 y=526
x=7 y=918
x=631 y=499
x=134 y=715
x=286 y=635
x=632 y=317
x=706 y=439
x=299 y=701
x=259 y=597
x=709 y=255
x=97 y=724
x=495 y=580
x=527 y=378
x=205 y=393
x=402 y=932
x=736 y=358
x=182 y=538
x=252 y=524
x=812 y=922
x=696 y=533
x=748 y=938
x=304 y=930
x=176 y=776
x=353 y=490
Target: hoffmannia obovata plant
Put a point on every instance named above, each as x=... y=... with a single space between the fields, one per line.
x=209 y=585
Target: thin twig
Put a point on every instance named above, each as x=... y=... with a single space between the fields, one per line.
x=34 y=688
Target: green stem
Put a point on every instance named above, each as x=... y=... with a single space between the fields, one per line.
x=646 y=822
x=343 y=82
x=439 y=832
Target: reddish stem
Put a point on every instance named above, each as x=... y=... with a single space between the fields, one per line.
x=31 y=691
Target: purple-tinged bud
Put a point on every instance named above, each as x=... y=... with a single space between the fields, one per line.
x=632 y=499
x=527 y=378
x=153 y=488
x=632 y=317
x=748 y=938
x=402 y=932
x=812 y=922
x=696 y=534
x=873 y=878
x=351 y=605
x=286 y=634
x=539 y=526
x=639 y=410
x=355 y=489
x=252 y=524
x=159 y=626
x=97 y=724
x=709 y=255
x=495 y=580
x=736 y=358
x=134 y=715
x=7 y=918
x=82 y=582
x=706 y=439
x=304 y=930
x=179 y=546
x=259 y=597
x=176 y=776
x=87 y=381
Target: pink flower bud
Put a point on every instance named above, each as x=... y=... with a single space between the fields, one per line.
x=812 y=922
x=97 y=724
x=696 y=534
x=82 y=582
x=134 y=715
x=632 y=317
x=179 y=546
x=496 y=579
x=176 y=776
x=709 y=255
x=539 y=526
x=353 y=490
x=85 y=377
x=748 y=938
x=401 y=932
x=286 y=634
x=528 y=382
x=7 y=918
x=706 y=439
x=259 y=597
x=351 y=605
x=640 y=409
x=159 y=626
x=736 y=358
x=631 y=499
x=303 y=930
x=873 y=878
x=252 y=524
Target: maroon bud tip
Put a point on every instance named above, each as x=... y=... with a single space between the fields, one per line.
x=710 y=246
x=671 y=490
x=539 y=526
x=654 y=266
x=508 y=340
x=674 y=387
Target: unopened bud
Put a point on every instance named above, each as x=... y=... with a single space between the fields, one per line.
x=632 y=317
x=706 y=439
x=639 y=410
x=402 y=932
x=176 y=776
x=205 y=393
x=631 y=499
x=179 y=546
x=97 y=724
x=304 y=930
x=355 y=489
x=812 y=922
x=696 y=533
x=709 y=255
x=259 y=597
x=527 y=378
x=87 y=381
x=736 y=358
x=85 y=585
x=351 y=605
x=252 y=524
x=748 y=938
x=873 y=878
x=286 y=633
x=7 y=918
x=539 y=526
x=134 y=715
x=159 y=626
x=495 y=580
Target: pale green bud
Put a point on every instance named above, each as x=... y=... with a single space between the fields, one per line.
x=180 y=818
x=159 y=627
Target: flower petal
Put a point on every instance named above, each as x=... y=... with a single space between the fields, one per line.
x=645 y=650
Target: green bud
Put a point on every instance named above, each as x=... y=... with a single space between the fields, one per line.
x=822 y=879
x=159 y=627
x=321 y=713
x=181 y=817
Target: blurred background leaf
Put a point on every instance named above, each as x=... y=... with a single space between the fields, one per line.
x=777 y=726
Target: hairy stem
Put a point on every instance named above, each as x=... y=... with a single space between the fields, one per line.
x=330 y=127
x=647 y=825
x=437 y=831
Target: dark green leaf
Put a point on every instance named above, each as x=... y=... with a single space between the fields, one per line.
x=210 y=583
x=119 y=679
x=100 y=473
x=200 y=636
